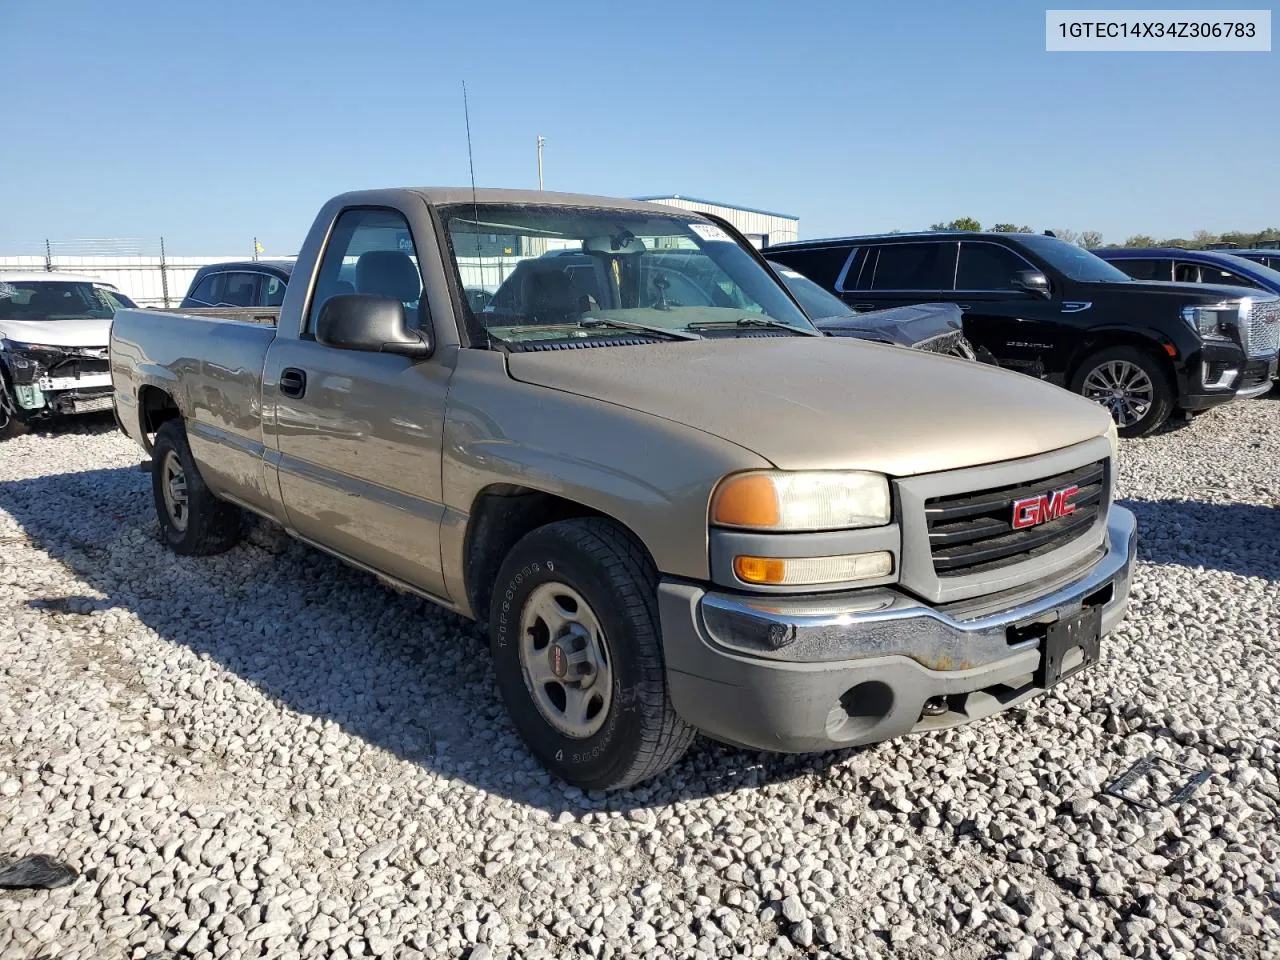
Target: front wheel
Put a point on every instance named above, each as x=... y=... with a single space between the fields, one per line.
x=578 y=655
x=1129 y=383
x=192 y=520
x=10 y=426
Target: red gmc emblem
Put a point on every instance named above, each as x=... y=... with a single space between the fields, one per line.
x=1033 y=511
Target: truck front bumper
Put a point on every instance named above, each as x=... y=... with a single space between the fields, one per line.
x=823 y=672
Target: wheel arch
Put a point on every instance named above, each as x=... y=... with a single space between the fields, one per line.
x=501 y=515
x=1155 y=346
x=155 y=406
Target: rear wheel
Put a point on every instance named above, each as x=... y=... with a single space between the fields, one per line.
x=578 y=655
x=193 y=521
x=1129 y=383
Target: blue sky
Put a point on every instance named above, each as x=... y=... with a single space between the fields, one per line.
x=211 y=123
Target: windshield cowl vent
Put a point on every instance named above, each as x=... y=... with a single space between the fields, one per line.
x=539 y=346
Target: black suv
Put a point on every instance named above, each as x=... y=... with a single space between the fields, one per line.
x=1048 y=308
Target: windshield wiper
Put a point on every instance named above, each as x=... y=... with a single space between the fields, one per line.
x=596 y=323
x=743 y=322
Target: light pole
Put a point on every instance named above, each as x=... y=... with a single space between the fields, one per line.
x=541 y=141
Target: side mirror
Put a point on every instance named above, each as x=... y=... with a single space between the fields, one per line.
x=1032 y=281
x=359 y=321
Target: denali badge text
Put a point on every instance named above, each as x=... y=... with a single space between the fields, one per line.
x=1033 y=511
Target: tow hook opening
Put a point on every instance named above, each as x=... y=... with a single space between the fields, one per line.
x=935 y=707
x=859 y=709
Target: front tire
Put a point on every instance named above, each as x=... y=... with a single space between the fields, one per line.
x=10 y=426
x=1131 y=384
x=193 y=522
x=577 y=651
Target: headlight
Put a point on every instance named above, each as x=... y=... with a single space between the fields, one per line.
x=1214 y=321
x=811 y=500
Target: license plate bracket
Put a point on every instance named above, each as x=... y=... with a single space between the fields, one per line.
x=1083 y=630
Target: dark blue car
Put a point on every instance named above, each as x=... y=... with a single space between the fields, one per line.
x=1192 y=266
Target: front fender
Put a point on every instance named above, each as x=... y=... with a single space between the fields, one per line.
x=651 y=475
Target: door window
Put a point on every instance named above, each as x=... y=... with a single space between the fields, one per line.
x=371 y=251
x=272 y=291
x=915 y=266
x=987 y=266
x=1210 y=273
x=822 y=265
x=236 y=289
x=203 y=293
x=1153 y=269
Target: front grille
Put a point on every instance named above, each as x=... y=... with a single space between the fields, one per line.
x=973 y=532
x=1262 y=335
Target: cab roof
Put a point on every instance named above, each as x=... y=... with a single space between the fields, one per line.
x=50 y=276
x=441 y=196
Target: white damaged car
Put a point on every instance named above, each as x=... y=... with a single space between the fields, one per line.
x=54 y=330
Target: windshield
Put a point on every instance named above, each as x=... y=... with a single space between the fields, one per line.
x=1076 y=262
x=554 y=272
x=58 y=300
x=817 y=303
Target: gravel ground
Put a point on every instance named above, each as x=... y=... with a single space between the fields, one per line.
x=266 y=754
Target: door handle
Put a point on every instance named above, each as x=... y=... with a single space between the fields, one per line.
x=864 y=306
x=964 y=306
x=293 y=382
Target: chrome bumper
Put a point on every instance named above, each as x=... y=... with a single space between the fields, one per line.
x=818 y=672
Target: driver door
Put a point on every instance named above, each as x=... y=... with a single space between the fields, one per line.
x=359 y=433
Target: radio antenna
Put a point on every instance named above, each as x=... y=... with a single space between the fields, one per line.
x=466 y=113
x=475 y=207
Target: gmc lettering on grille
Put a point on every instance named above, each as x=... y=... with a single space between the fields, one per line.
x=1033 y=511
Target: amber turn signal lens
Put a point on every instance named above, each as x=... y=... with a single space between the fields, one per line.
x=812 y=571
x=759 y=569
x=747 y=500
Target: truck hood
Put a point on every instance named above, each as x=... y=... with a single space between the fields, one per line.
x=826 y=403
x=58 y=333
x=1184 y=292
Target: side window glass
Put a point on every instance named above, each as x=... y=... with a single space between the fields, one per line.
x=1146 y=269
x=239 y=289
x=1212 y=274
x=370 y=251
x=915 y=266
x=822 y=266
x=203 y=293
x=272 y=291
x=987 y=266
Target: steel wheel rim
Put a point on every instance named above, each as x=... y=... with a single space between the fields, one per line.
x=564 y=657
x=1123 y=388
x=173 y=484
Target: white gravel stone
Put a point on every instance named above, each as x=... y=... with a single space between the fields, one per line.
x=267 y=754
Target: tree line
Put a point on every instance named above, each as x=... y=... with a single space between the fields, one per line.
x=1092 y=238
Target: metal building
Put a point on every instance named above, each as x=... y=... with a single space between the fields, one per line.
x=761 y=227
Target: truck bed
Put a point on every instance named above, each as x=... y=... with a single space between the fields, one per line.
x=267 y=315
x=211 y=364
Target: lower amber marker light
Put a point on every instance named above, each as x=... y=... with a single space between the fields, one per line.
x=811 y=571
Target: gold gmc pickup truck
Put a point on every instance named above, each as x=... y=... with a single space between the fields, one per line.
x=607 y=430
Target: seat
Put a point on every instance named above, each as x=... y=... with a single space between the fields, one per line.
x=46 y=301
x=388 y=273
x=1187 y=273
x=547 y=297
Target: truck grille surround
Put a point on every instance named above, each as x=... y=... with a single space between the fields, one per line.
x=1261 y=336
x=974 y=532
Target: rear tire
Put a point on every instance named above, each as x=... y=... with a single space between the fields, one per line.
x=1131 y=383
x=574 y=621
x=193 y=522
